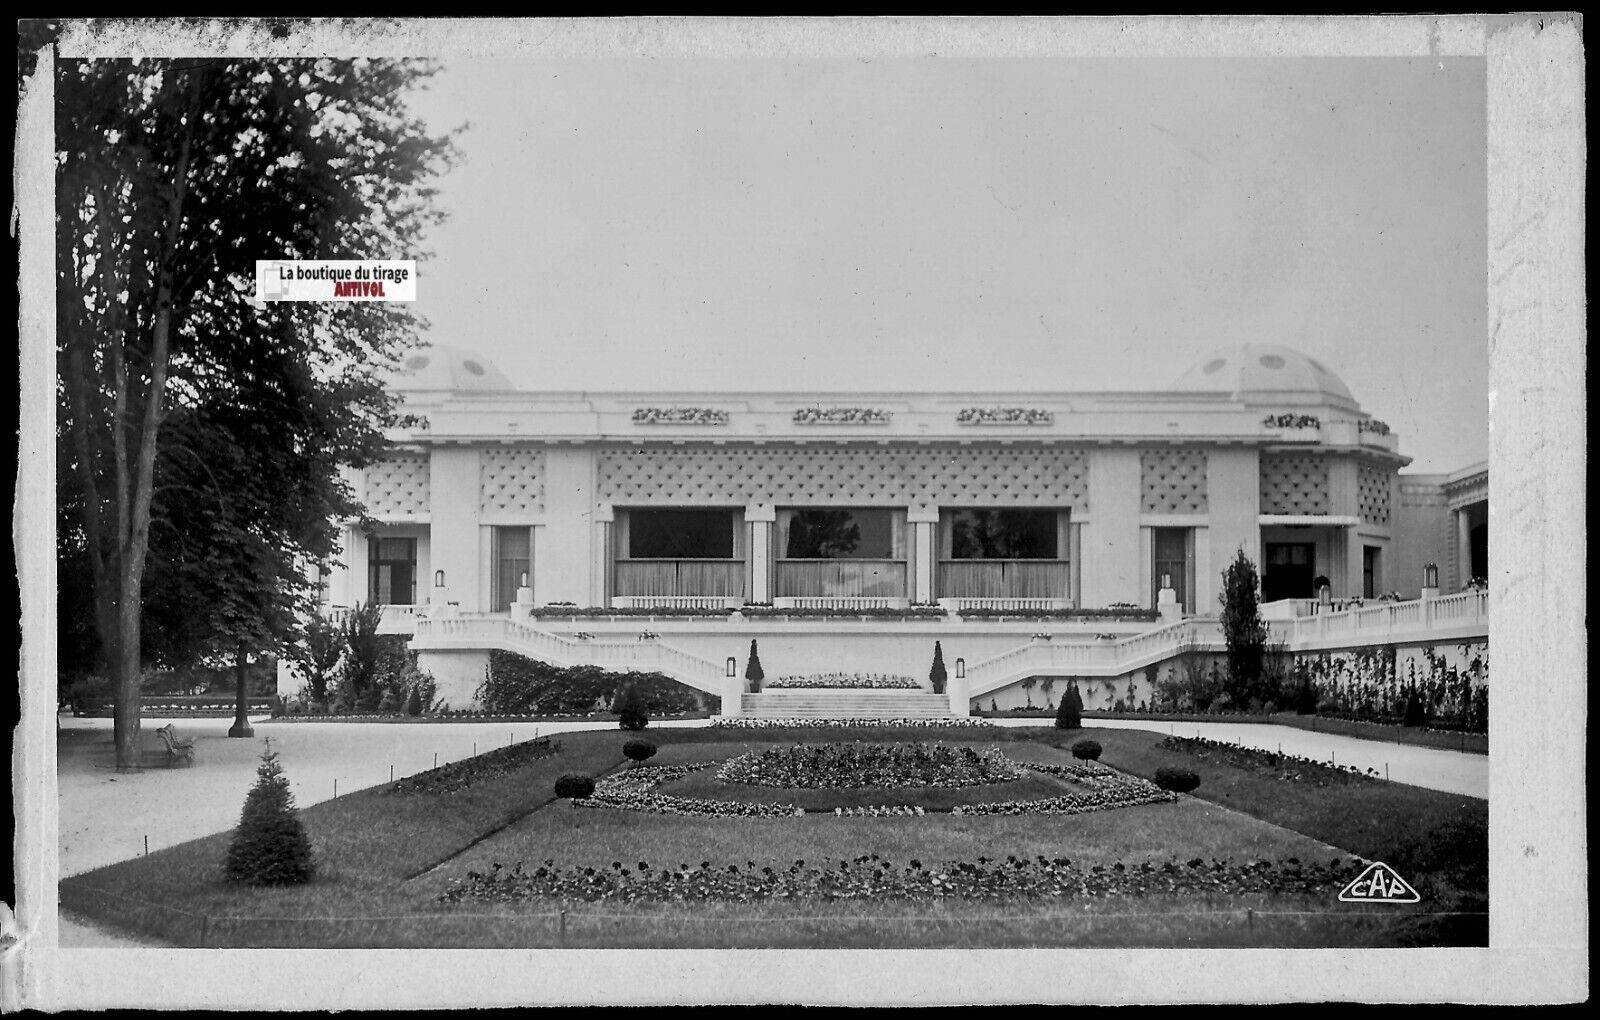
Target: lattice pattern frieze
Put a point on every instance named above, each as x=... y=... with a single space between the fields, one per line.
x=398 y=484
x=941 y=475
x=1294 y=484
x=1372 y=493
x=511 y=480
x=1172 y=482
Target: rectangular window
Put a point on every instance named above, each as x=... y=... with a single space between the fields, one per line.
x=1006 y=535
x=681 y=534
x=392 y=571
x=512 y=561
x=1371 y=578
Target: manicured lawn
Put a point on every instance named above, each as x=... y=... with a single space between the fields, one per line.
x=384 y=858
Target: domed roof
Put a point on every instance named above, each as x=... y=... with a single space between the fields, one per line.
x=445 y=367
x=1266 y=370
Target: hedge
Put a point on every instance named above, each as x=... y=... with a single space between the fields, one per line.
x=517 y=685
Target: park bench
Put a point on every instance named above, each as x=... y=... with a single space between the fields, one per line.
x=177 y=747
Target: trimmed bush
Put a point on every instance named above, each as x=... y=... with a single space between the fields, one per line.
x=574 y=784
x=1069 y=714
x=1086 y=750
x=753 y=671
x=1178 y=780
x=639 y=750
x=937 y=675
x=630 y=710
x=413 y=703
x=270 y=846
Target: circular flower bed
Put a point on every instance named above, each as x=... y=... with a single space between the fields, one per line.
x=858 y=765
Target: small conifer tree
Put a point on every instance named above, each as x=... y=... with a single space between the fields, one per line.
x=937 y=674
x=631 y=714
x=270 y=846
x=1069 y=714
x=753 y=671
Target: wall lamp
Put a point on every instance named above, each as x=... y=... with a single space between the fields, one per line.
x=438 y=579
x=961 y=669
x=732 y=667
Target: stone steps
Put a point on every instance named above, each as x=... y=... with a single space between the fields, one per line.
x=819 y=703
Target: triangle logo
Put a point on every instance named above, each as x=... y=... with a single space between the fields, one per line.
x=1379 y=884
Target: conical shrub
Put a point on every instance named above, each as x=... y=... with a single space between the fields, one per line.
x=270 y=846
x=937 y=675
x=1069 y=714
x=753 y=671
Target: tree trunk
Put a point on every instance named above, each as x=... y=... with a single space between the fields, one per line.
x=241 y=718
x=125 y=714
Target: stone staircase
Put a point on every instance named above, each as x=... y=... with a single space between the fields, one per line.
x=825 y=703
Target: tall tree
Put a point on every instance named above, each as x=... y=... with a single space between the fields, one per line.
x=194 y=421
x=1243 y=629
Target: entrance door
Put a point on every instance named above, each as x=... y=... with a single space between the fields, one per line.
x=1291 y=567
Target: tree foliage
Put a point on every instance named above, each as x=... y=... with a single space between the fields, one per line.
x=198 y=429
x=320 y=654
x=1244 y=631
x=270 y=846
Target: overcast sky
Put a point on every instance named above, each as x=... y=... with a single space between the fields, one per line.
x=939 y=224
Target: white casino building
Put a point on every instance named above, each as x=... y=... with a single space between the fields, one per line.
x=504 y=499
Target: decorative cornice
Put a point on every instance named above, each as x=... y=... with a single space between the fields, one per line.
x=1004 y=416
x=1291 y=421
x=841 y=416
x=680 y=416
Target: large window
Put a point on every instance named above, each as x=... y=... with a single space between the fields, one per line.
x=679 y=553
x=680 y=534
x=1006 y=535
x=841 y=552
x=1004 y=554
x=512 y=548
x=392 y=571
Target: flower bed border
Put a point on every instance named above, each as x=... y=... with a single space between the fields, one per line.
x=634 y=790
x=871 y=876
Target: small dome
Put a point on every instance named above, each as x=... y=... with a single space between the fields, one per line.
x=1266 y=370
x=443 y=367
